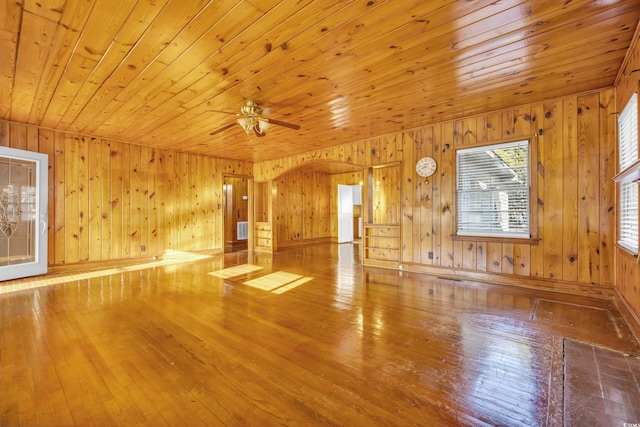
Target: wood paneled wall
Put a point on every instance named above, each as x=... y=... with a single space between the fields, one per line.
x=385 y=188
x=627 y=267
x=575 y=140
x=301 y=209
x=111 y=200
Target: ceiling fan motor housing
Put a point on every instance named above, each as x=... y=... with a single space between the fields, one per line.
x=250 y=109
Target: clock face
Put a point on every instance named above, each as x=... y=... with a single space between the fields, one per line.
x=426 y=166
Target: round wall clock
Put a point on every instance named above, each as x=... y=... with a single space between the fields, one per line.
x=426 y=166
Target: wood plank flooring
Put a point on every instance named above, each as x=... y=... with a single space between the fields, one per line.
x=321 y=342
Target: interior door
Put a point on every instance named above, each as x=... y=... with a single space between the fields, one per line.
x=23 y=213
x=345 y=213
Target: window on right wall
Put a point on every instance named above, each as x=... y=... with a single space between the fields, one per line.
x=628 y=191
x=493 y=190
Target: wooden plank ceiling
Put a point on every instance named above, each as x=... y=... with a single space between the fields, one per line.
x=156 y=72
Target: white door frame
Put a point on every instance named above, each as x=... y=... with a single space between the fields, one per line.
x=345 y=213
x=36 y=218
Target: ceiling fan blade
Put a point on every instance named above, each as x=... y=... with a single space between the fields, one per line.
x=285 y=124
x=224 y=112
x=223 y=128
x=258 y=134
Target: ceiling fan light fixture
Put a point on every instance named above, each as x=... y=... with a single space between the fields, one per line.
x=251 y=120
x=262 y=125
x=246 y=123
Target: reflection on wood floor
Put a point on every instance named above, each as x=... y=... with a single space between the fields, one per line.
x=302 y=337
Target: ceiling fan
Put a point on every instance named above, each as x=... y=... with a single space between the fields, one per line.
x=251 y=120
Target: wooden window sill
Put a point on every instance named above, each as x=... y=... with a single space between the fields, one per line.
x=625 y=250
x=515 y=240
x=630 y=174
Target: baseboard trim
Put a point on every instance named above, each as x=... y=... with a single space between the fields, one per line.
x=510 y=280
x=123 y=262
x=630 y=316
x=303 y=242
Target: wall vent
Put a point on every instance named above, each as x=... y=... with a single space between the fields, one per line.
x=243 y=230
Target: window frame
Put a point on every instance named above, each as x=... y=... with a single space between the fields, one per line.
x=533 y=237
x=627 y=171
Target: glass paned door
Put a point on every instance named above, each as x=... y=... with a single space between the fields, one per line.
x=23 y=213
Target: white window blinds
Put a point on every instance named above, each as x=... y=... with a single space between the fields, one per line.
x=628 y=154
x=628 y=133
x=629 y=216
x=493 y=190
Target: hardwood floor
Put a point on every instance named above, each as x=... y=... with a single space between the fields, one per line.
x=303 y=337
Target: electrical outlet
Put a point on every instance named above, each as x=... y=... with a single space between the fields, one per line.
x=430 y=255
x=143 y=248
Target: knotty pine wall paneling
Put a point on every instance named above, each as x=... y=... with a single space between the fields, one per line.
x=121 y=196
x=71 y=200
x=135 y=208
x=119 y=216
x=58 y=220
x=572 y=212
x=201 y=204
x=607 y=192
x=553 y=186
x=447 y=193
x=149 y=202
x=303 y=211
x=171 y=193
x=386 y=191
x=570 y=167
x=184 y=230
x=435 y=250
x=421 y=210
x=537 y=251
x=409 y=182
x=95 y=201
x=110 y=200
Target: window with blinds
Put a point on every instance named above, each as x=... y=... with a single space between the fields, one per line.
x=493 y=190
x=628 y=154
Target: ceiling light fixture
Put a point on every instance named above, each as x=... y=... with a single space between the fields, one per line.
x=252 y=120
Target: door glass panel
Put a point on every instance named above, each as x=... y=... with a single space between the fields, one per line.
x=18 y=217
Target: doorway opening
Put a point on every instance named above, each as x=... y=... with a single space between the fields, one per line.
x=235 y=192
x=349 y=213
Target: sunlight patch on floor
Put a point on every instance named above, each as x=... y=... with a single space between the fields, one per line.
x=292 y=285
x=237 y=270
x=273 y=280
x=278 y=282
x=172 y=258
